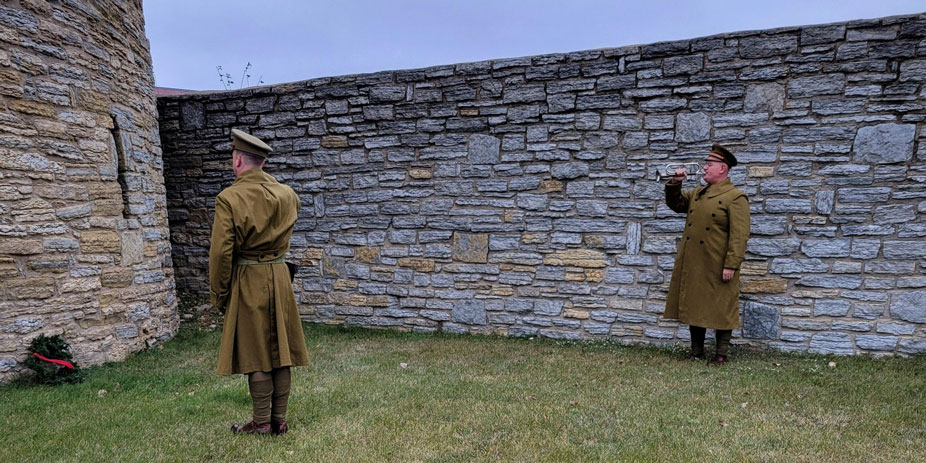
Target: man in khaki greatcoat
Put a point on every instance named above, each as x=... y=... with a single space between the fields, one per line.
x=704 y=291
x=250 y=282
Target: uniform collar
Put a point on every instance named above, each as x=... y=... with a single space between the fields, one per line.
x=720 y=188
x=254 y=176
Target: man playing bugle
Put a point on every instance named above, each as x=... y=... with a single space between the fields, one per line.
x=704 y=291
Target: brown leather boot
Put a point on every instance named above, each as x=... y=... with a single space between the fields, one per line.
x=252 y=427
x=718 y=360
x=278 y=428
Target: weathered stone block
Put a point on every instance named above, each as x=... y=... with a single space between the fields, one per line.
x=764 y=98
x=30 y=288
x=875 y=342
x=472 y=248
x=760 y=321
x=585 y=258
x=469 y=311
x=909 y=306
x=484 y=149
x=100 y=242
x=831 y=343
x=692 y=127
x=884 y=143
x=419 y=264
x=20 y=246
x=763 y=285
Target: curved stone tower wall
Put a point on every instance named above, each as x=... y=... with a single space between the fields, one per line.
x=516 y=196
x=84 y=241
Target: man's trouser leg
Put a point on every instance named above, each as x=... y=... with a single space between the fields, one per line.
x=697 y=340
x=260 y=385
x=723 y=341
x=281 y=383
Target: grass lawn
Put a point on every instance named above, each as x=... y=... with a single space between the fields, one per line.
x=479 y=399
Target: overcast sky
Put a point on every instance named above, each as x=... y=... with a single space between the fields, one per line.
x=291 y=40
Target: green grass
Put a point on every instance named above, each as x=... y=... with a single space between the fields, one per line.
x=479 y=399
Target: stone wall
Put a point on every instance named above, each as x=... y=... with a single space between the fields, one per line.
x=84 y=243
x=516 y=196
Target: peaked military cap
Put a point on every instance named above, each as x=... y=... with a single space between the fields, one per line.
x=723 y=154
x=243 y=141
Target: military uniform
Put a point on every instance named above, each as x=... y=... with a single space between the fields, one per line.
x=704 y=291
x=250 y=282
x=716 y=231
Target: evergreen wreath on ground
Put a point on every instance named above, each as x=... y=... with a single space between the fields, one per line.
x=50 y=358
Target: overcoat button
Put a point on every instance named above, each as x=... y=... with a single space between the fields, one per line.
x=707 y=228
x=702 y=241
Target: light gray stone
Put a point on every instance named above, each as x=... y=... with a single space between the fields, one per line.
x=469 y=311
x=875 y=342
x=831 y=343
x=884 y=143
x=484 y=149
x=569 y=171
x=764 y=98
x=692 y=127
x=909 y=306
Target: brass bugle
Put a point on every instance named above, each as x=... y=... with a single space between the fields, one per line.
x=693 y=171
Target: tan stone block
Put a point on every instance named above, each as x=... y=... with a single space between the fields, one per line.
x=357 y=300
x=419 y=264
x=365 y=254
x=32 y=107
x=378 y=301
x=763 y=285
x=594 y=276
x=117 y=277
x=551 y=186
x=761 y=171
x=754 y=268
x=595 y=241
x=815 y=294
x=104 y=190
x=108 y=298
x=334 y=141
x=469 y=111
x=100 y=242
x=575 y=276
x=29 y=288
x=626 y=304
x=133 y=247
x=572 y=313
x=420 y=174
x=80 y=285
x=510 y=216
x=533 y=239
x=503 y=291
x=523 y=268
x=8 y=268
x=585 y=258
x=505 y=267
x=473 y=248
x=314 y=253
x=341 y=284
x=20 y=247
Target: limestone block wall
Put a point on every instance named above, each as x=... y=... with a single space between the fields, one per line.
x=516 y=196
x=84 y=239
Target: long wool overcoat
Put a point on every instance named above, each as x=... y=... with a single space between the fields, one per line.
x=254 y=220
x=716 y=231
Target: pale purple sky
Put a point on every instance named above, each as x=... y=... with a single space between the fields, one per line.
x=292 y=40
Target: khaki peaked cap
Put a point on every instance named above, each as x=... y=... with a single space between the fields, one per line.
x=723 y=154
x=243 y=141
